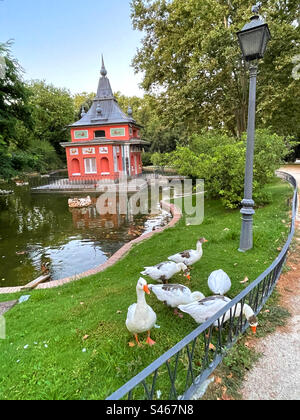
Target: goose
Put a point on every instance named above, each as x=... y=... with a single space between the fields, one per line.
x=140 y=316
x=204 y=309
x=191 y=256
x=219 y=282
x=164 y=271
x=175 y=294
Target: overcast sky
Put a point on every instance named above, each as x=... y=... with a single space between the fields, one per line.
x=61 y=41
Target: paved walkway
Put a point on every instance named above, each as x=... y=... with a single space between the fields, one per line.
x=276 y=376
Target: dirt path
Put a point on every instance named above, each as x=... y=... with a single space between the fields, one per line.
x=276 y=376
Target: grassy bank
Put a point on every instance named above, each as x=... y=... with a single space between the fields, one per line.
x=76 y=335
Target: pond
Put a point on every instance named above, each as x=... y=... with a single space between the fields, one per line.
x=39 y=232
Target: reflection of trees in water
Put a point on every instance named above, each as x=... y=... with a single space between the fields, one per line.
x=35 y=227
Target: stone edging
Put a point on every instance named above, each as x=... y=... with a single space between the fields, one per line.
x=176 y=213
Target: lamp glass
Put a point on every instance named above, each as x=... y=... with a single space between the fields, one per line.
x=253 y=42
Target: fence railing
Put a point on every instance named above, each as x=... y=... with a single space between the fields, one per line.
x=61 y=183
x=182 y=369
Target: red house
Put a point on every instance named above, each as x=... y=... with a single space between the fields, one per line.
x=105 y=143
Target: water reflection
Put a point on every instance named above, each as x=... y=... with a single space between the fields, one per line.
x=38 y=232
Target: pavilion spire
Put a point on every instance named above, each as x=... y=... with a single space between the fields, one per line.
x=103 y=69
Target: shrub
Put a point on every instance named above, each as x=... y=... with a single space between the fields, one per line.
x=146 y=158
x=220 y=161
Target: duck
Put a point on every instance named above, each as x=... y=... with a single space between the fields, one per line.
x=219 y=282
x=45 y=267
x=190 y=256
x=140 y=316
x=204 y=309
x=174 y=295
x=21 y=183
x=163 y=271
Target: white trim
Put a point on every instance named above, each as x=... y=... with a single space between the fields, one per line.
x=86 y=167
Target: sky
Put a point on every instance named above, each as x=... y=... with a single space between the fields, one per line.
x=61 y=41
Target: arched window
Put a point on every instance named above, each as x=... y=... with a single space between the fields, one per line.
x=104 y=165
x=75 y=167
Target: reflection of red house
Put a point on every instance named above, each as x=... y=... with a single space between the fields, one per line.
x=106 y=142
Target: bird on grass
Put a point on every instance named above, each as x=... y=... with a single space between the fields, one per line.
x=174 y=295
x=204 y=309
x=190 y=256
x=140 y=316
x=163 y=271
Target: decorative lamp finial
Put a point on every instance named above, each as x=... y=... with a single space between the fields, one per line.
x=129 y=111
x=99 y=109
x=256 y=7
x=83 y=111
x=103 y=69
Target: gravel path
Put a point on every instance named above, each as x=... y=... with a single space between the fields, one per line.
x=276 y=376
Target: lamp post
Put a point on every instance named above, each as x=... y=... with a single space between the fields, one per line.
x=253 y=39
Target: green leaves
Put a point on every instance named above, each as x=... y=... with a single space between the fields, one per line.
x=190 y=55
x=220 y=161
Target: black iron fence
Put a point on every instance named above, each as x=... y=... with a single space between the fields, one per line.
x=182 y=369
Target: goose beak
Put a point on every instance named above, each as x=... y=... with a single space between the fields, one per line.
x=188 y=277
x=146 y=289
x=253 y=329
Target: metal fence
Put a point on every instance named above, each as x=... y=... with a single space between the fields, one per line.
x=89 y=183
x=182 y=369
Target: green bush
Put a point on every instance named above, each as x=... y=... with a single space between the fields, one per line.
x=146 y=158
x=220 y=161
x=40 y=156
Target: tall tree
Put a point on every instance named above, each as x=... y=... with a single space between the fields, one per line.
x=190 y=57
x=14 y=96
x=53 y=110
x=82 y=100
x=147 y=111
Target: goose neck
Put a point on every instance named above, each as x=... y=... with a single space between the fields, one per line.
x=141 y=300
x=199 y=247
x=248 y=312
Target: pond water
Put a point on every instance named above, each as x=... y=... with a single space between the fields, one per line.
x=39 y=232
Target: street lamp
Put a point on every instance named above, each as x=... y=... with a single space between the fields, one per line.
x=253 y=39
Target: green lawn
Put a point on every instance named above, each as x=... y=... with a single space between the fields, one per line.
x=53 y=322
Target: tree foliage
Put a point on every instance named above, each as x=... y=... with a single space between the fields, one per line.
x=190 y=57
x=52 y=111
x=219 y=159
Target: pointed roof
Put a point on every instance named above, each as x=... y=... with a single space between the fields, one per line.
x=105 y=108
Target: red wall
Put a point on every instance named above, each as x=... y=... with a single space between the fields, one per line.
x=98 y=157
x=107 y=128
x=80 y=157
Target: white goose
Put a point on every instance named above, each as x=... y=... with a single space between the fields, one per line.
x=140 y=316
x=175 y=294
x=219 y=282
x=164 y=271
x=191 y=256
x=204 y=309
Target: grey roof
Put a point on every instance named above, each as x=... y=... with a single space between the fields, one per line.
x=105 y=108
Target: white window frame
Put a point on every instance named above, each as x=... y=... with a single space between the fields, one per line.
x=88 y=166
